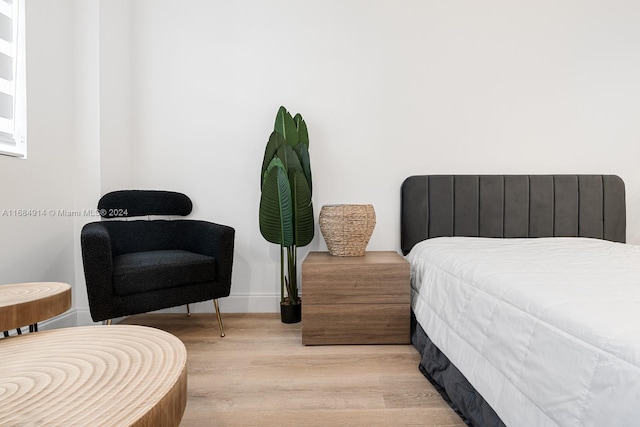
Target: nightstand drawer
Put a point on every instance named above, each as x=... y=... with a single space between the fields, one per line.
x=355 y=324
x=375 y=278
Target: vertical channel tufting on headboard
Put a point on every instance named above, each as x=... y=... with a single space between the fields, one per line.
x=614 y=210
x=508 y=206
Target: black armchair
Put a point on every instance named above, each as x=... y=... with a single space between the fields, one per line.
x=138 y=266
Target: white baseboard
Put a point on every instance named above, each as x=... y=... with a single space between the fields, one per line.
x=65 y=320
x=84 y=317
x=237 y=303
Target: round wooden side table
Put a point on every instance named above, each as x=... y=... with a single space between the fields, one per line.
x=120 y=375
x=25 y=304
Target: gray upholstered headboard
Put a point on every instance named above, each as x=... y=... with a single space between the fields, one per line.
x=512 y=206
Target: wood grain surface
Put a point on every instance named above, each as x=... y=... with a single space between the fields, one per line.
x=355 y=300
x=23 y=304
x=356 y=324
x=375 y=278
x=116 y=375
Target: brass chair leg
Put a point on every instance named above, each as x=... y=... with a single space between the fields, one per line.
x=108 y=322
x=215 y=304
x=188 y=311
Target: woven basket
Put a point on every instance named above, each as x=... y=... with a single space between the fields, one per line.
x=347 y=228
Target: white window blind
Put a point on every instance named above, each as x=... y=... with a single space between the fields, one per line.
x=12 y=79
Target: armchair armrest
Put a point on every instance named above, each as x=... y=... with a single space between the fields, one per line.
x=214 y=240
x=97 y=261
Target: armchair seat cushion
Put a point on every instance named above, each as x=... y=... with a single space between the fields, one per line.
x=140 y=272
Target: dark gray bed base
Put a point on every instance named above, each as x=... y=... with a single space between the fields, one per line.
x=501 y=206
x=450 y=383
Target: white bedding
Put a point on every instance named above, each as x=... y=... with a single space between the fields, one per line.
x=546 y=330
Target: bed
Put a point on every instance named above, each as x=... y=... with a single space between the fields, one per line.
x=524 y=297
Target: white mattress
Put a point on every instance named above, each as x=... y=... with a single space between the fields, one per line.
x=546 y=330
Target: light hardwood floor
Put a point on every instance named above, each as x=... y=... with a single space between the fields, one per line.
x=261 y=375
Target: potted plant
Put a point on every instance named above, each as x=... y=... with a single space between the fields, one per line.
x=286 y=209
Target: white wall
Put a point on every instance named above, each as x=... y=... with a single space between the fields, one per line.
x=388 y=89
x=86 y=120
x=114 y=86
x=41 y=247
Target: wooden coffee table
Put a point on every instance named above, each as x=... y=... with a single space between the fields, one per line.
x=25 y=304
x=118 y=375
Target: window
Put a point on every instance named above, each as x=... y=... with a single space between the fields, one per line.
x=13 y=88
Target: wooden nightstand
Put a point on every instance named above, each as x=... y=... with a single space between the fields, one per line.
x=355 y=300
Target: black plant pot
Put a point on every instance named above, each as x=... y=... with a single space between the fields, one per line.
x=290 y=313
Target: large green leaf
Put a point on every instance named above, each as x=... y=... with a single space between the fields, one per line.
x=286 y=127
x=275 y=141
x=303 y=133
x=289 y=159
x=302 y=209
x=276 y=216
x=303 y=155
